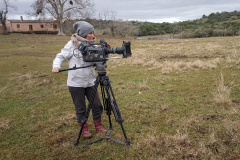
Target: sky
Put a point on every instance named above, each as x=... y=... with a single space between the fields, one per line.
x=146 y=10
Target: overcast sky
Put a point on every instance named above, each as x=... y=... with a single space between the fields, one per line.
x=148 y=10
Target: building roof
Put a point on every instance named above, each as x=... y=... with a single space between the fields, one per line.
x=32 y=21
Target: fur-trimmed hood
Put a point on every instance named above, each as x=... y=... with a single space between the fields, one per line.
x=76 y=39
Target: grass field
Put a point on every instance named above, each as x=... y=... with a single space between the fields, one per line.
x=180 y=99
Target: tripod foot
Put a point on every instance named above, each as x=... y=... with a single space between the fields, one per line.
x=75 y=144
x=128 y=142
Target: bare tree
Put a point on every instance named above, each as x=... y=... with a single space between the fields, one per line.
x=124 y=28
x=117 y=27
x=62 y=10
x=113 y=22
x=105 y=13
x=3 y=14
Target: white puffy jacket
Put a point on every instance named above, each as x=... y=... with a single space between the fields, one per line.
x=83 y=77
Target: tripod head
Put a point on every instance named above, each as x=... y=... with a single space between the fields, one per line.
x=100 y=67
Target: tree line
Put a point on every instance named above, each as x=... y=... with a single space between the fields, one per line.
x=213 y=25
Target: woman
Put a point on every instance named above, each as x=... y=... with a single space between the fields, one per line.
x=81 y=81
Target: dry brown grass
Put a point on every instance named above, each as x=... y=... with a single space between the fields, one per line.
x=180 y=144
x=25 y=82
x=170 y=66
x=3 y=88
x=166 y=146
x=232 y=129
x=222 y=95
x=143 y=86
x=4 y=124
x=180 y=60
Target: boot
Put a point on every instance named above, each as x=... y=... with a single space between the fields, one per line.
x=85 y=132
x=99 y=126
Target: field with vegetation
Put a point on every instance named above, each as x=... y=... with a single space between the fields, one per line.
x=180 y=99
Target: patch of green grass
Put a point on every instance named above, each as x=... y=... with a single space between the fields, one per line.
x=168 y=107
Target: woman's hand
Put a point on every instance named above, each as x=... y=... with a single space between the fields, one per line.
x=55 y=70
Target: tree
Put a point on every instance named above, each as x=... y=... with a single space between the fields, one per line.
x=124 y=28
x=62 y=10
x=110 y=20
x=204 y=16
x=3 y=14
x=113 y=22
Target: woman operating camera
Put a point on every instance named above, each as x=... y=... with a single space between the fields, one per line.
x=81 y=81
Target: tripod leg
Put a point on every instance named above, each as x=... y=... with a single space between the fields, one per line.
x=107 y=106
x=120 y=120
x=88 y=109
x=114 y=107
x=79 y=135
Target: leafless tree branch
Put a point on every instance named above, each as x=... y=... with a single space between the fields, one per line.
x=62 y=10
x=3 y=13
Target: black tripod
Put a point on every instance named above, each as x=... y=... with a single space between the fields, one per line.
x=109 y=102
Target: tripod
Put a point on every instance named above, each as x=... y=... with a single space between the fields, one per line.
x=110 y=105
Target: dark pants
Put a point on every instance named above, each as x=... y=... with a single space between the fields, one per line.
x=78 y=96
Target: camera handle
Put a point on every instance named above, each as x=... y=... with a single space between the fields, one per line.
x=74 y=68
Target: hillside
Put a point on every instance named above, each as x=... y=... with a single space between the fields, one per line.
x=213 y=25
x=216 y=24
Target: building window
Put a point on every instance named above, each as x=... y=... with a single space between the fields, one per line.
x=42 y=26
x=55 y=26
x=30 y=27
x=18 y=25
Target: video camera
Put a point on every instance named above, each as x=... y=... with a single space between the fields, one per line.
x=94 y=53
